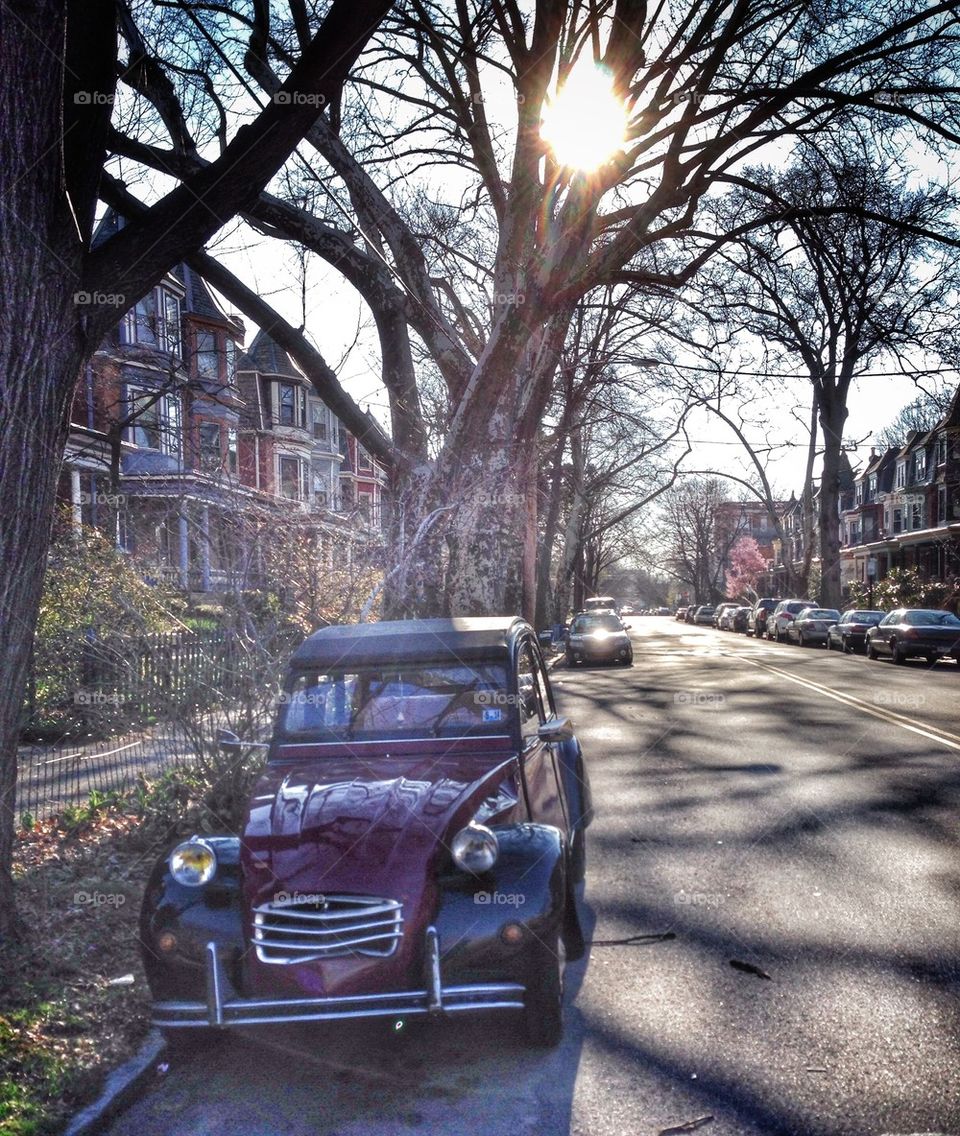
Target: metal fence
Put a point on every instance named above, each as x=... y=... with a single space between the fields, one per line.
x=52 y=777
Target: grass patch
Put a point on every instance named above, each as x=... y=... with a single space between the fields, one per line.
x=65 y=1021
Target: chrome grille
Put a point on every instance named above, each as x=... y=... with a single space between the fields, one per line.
x=303 y=929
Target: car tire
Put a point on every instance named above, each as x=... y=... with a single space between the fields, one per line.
x=543 y=1008
x=872 y=652
x=895 y=657
x=801 y=641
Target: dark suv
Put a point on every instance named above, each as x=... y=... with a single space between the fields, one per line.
x=757 y=619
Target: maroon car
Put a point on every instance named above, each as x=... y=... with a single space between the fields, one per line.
x=411 y=848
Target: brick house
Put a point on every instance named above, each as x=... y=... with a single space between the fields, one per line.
x=177 y=436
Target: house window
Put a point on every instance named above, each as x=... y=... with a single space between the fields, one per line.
x=320 y=431
x=858 y=496
x=897 y=520
x=233 y=461
x=290 y=478
x=872 y=487
x=208 y=362
x=920 y=465
x=364 y=505
x=154 y=420
x=916 y=515
x=901 y=474
x=364 y=461
x=211 y=446
x=170 y=324
x=230 y=356
x=291 y=405
x=942 y=518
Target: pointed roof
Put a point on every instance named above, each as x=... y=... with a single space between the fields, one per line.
x=268 y=358
x=199 y=300
x=109 y=225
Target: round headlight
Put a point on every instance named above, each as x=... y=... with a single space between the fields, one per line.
x=193 y=863
x=475 y=848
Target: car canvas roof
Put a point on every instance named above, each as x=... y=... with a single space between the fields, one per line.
x=408 y=640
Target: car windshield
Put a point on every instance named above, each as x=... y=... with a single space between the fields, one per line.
x=597 y=602
x=931 y=619
x=450 y=699
x=864 y=616
x=589 y=624
x=821 y=613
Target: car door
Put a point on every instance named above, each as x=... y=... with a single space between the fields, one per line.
x=539 y=761
x=884 y=629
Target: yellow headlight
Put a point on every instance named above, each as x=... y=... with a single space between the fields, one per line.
x=193 y=863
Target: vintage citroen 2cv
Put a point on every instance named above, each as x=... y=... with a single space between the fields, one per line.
x=411 y=848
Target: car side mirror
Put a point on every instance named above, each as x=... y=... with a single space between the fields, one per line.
x=555 y=730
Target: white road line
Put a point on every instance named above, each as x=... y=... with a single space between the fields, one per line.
x=952 y=741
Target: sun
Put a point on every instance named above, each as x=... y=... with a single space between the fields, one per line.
x=585 y=124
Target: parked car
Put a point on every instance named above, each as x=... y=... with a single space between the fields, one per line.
x=811 y=625
x=910 y=633
x=849 y=634
x=681 y=613
x=704 y=614
x=691 y=612
x=785 y=612
x=418 y=773
x=721 y=611
x=663 y=611
x=757 y=620
x=598 y=637
x=739 y=620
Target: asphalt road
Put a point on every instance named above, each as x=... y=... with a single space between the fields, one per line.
x=792 y=811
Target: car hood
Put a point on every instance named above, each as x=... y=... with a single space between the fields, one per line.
x=350 y=824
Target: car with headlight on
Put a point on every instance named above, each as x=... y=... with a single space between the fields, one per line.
x=411 y=849
x=910 y=633
x=598 y=637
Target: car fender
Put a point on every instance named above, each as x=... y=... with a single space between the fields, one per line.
x=528 y=887
x=195 y=916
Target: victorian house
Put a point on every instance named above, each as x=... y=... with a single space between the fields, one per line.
x=178 y=438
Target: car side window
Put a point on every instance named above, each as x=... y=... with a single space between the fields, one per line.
x=543 y=688
x=531 y=713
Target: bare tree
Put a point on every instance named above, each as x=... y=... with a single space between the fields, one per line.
x=835 y=290
x=58 y=297
x=484 y=266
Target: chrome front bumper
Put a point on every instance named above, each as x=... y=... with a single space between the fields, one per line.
x=221 y=1009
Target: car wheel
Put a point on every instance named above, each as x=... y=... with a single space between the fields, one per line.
x=872 y=652
x=543 y=1008
x=895 y=656
x=829 y=644
x=800 y=639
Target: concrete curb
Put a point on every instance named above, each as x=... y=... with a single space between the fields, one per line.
x=123 y=1084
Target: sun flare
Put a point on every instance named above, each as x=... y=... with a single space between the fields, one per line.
x=585 y=124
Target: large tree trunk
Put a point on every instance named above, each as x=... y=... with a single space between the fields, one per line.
x=545 y=614
x=41 y=351
x=833 y=415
